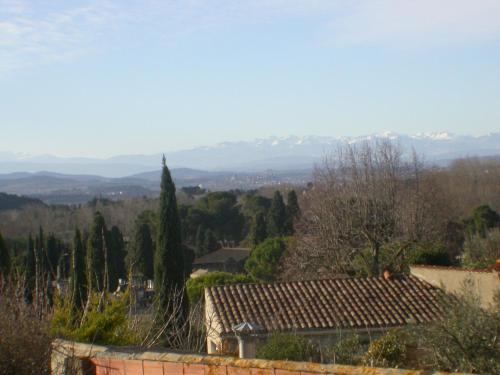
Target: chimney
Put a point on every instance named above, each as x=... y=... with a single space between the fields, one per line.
x=387 y=274
x=246 y=332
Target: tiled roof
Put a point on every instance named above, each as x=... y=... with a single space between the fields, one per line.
x=326 y=304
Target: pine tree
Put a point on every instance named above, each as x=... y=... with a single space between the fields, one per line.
x=258 y=231
x=4 y=260
x=78 y=278
x=276 y=216
x=30 y=271
x=140 y=257
x=169 y=260
x=96 y=257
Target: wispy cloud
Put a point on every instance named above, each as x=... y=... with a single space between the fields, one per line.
x=50 y=30
x=44 y=31
x=421 y=23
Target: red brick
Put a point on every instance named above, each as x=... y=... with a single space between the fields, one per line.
x=173 y=368
x=194 y=369
x=153 y=368
x=101 y=366
x=261 y=371
x=215 y=370
x=238 y=371
x=286 y=372
x=133 y=367
x=116 y=367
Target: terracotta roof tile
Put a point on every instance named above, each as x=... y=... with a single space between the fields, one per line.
x=327 y=304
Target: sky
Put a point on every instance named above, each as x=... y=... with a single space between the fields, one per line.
x=109 y=77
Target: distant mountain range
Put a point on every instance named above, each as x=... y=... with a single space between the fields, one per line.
x=230 y=165
x=276 y=153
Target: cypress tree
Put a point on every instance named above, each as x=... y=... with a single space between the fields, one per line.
x=141 y=253
x=200 y=241
x=52 y=254
x=78 y=279
x=116 y=257
x=30 y=271
x=96 y=259
x=4 y=260
x=276 y=216
x=292 y=204
x=292 y=212
x=258 y=231
x=169 y=260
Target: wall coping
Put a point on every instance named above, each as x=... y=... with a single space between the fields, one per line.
x=68 y=349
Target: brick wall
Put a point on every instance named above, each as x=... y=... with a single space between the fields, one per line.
x=69 y=358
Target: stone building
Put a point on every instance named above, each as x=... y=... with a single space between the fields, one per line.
x=318 y=309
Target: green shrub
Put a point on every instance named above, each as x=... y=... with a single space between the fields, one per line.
x=431 y=254
x=289 y=347
x=106 y=322
x=196 y=286
x=264 y=259
x=466 y=339
x=482 y=251
x=348 y=350
x=387 y=351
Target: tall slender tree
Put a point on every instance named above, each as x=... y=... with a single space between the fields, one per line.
x=116 y=256
x=52 y=248
x=96 y=259
x=276 y=216
x=169 y=258
x=292 y=212
x=78 y=278
x=141 y=253
x=30 y=271
x=258 y=231
x=4 y=259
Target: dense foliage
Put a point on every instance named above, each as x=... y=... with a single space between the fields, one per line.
x=169 y=265
x=288 y=347
x=196 y=286
x=264 y=259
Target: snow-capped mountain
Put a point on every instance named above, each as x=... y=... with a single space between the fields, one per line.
x=279 y=153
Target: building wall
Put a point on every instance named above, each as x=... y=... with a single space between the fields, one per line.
x=68 y=358
x=487 y=283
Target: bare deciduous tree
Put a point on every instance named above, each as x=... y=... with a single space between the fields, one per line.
x=364 y=197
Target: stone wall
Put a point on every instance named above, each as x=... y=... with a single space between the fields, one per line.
x=69 y=358
x=486 y=282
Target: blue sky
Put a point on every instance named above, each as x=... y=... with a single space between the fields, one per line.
x=100 y=78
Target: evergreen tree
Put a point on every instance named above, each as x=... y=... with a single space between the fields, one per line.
x=292 y=212
x=30 y=271
x=210 y=242
x=258 y=232
x=4 y=260
x=116 y=257
x=140 y=257
x=52 y=247
x=293 y=208
x=78 y=279
x=169 y=263
x=276 y=216
x=96 y=257
x=200 y=241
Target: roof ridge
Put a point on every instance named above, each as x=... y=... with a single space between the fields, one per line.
x=393 y=276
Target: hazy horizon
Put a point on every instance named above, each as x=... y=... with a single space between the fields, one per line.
x=111 y=77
